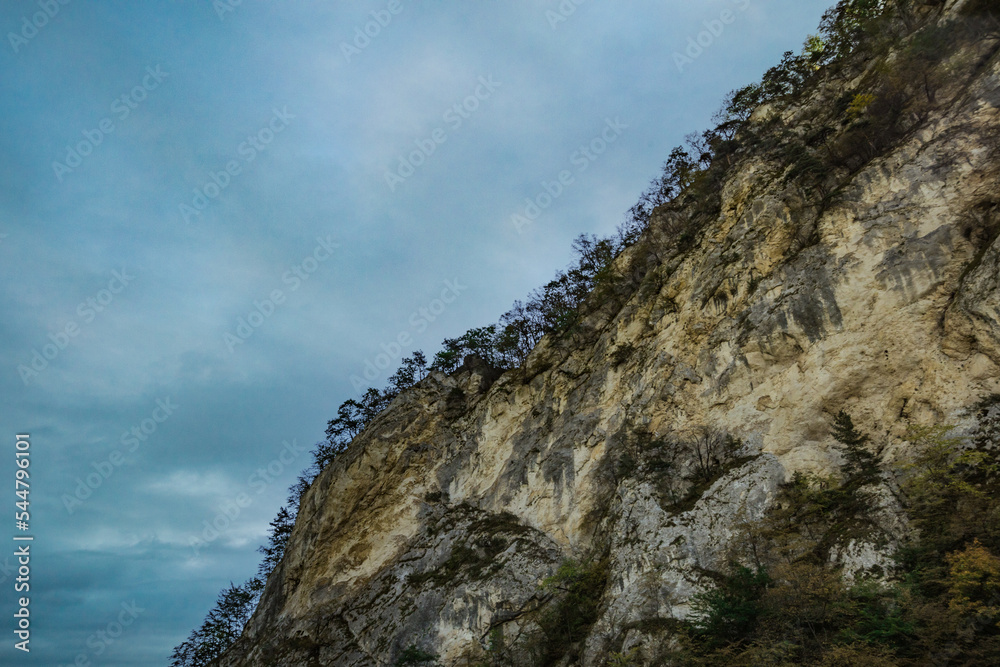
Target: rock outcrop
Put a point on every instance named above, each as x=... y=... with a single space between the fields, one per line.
x=729 y=354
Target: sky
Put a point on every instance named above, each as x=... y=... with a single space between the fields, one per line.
x=216 y=216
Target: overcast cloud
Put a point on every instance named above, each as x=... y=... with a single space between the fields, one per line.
x=168 y=168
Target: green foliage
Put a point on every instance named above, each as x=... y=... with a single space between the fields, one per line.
x=847 y=24
x=569 y=604
x=814 y=50
x=448 y=359
x=680 y=468
x=974 y=582
x=481 y=341
x=280 y=530
x=792 y=607
x=470 y=560
x=816 y=514
x=678 y=173
x=411 y=371
x=941 y=467
x=413 y=655
x=353 y=415
x=577 y=588
x=712 y=451
x=630 y=658
x=787 y=77
x=803 y=161
x=498 y=522
x=551 y=309
x=800 y=614
x=951 y=563
x=878 y=615
x=730 y=612
x=860 y=465
x=859 y=105
x=854 y=655
x=221 y=628
x=476 y=555
x=737 y=108
x=952 y=493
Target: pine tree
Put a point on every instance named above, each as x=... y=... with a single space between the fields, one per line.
x=221 y=628
x=281 y=529
x=860 y=465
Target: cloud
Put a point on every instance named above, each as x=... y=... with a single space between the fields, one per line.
x=164 y=334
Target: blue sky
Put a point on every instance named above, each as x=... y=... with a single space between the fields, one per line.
x=168 y=169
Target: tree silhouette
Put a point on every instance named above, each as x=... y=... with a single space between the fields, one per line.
x=274 y=550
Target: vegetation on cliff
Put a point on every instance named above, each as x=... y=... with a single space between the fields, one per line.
x=782 y=603
x=882 y=68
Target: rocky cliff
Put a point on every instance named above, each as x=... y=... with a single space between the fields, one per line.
x=647 y=438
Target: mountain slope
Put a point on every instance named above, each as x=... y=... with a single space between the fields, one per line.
x=770 y=297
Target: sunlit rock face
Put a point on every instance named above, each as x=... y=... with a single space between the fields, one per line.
x=438 y=527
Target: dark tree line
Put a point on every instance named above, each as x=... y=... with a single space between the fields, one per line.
x=552 y=308
x=225 y=622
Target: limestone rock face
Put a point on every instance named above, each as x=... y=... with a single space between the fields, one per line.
x=438 y=526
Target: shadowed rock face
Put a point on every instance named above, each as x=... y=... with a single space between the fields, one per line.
x=438 y=525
